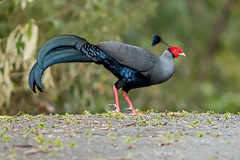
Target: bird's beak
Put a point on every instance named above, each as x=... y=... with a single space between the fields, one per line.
x=182 y=54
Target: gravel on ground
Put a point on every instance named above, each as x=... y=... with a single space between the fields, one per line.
x=111 y=136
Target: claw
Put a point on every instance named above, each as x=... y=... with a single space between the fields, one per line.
x=112 y=105
x=128 y=109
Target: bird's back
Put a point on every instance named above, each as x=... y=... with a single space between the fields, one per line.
x=130 y=56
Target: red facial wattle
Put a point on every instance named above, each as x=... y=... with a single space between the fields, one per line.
x=176 y=51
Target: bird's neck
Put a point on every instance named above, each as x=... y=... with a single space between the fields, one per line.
x=166 y=55
x=163 y=69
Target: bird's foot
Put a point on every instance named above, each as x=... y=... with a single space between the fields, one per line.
x=118 y=112
x=134 y=113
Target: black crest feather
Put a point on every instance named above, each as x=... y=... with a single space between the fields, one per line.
x=157 y=39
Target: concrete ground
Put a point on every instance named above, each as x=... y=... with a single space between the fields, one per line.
x=110 y=136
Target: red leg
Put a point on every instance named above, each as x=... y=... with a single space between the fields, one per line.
x=130 y=104
x=116 y=99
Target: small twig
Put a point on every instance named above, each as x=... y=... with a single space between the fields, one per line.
x=23 y=145
x=130 y=124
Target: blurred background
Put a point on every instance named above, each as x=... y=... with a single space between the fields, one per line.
x=207 y=31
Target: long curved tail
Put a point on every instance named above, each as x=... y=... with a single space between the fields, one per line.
x=60 y=49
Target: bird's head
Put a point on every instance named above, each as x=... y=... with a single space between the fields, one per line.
x=176 y=51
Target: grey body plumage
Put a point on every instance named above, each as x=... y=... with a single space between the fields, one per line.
x=157 y=69
x=163 y=69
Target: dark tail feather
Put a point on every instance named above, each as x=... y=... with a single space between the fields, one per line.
x=32 y=79
x=56 y=42
x=61 y=49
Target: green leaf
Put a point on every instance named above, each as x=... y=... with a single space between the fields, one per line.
x=20 y=45
x=57 y=143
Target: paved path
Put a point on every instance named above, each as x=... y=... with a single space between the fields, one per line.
x=110 y=136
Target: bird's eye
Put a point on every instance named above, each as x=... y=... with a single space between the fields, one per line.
x=176 y=50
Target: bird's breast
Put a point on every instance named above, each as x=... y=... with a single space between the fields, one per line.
x=162 y=71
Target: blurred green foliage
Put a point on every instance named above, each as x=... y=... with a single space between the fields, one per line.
x=207 y=31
